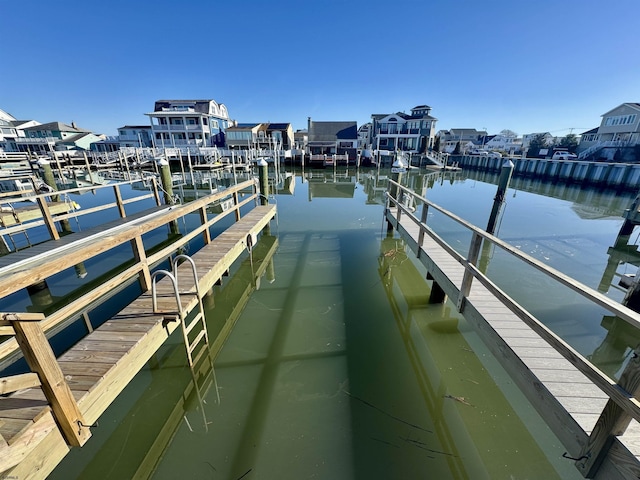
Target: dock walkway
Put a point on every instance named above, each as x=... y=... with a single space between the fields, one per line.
x=100 y=366
x=566 y=392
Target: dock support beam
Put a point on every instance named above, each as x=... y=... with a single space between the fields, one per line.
x=437 y=294
x=613 y=421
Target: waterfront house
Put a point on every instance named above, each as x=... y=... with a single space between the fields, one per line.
x=469 y=138
x=177 y=123
x=282 y=135
x=11 y=129
x=618 y=132
x=505 y=141
x=135 y=136
x=55 y=136
x=413 y=133
x=244 y=136
x=333 y=138
x=365 y=136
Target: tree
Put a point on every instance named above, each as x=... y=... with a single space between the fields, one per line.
x=570 y=142
x=508 y=133
x=537 y=142
x=436 y=145
x=456 y=151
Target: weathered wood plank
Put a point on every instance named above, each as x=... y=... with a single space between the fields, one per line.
x=18 y=382
x=41 y=450
x=40 y=357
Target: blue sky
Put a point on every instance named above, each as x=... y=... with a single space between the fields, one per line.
x=548 y=65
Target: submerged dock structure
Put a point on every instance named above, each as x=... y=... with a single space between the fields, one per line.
x=54 y=406
x=594 y=416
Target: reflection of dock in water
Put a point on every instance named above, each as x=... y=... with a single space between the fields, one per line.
x=469 y=410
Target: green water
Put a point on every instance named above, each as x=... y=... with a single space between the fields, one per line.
x=337 y=367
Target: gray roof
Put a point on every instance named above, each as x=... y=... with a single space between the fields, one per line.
x=148 y=127
x=331 y=131
x=201 y=106
x=74 y=138
x=57 y=127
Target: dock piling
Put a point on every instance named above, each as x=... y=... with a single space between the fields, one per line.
x=503 y=184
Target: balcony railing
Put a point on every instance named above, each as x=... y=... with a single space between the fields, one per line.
x=39 y=140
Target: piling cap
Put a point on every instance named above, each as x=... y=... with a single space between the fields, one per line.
x=398 y=163
x=262 y=163
x=162 y=162
x=507 y=164
x=43 y=161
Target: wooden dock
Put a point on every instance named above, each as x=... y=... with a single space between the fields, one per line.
x=55 y=406
x=595 y=417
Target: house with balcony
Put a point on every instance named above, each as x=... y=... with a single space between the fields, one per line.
x=365 y=136
x=198 y=123
x=413 y=133
x=245 y=136
x=332 y=138
x=135 y=136
x=504 y=142
x=469 y=138
x=282 y=135
x=55 y=136
x=618 y=133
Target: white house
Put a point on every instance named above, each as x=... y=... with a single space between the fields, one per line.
x=620 y=127
x=188 y=123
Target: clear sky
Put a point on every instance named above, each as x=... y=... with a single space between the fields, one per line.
x=528 y=66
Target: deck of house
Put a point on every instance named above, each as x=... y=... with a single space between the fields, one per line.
x=43 y=413
x=595 y=418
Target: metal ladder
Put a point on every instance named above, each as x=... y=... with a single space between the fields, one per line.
x=190 y=343
x=12 y=235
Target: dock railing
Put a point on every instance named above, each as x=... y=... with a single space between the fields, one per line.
x=623 y=404
x=49 y=220
x=28 y=331
x=22 y=274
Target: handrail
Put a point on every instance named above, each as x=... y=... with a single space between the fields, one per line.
x=616 y=391
x=623 y=312
x=21 y=274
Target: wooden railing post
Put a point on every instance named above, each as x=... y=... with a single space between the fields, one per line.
x=423 y=222
x=613 y=421
x=235 y=203
x=156 y=194
x=472 y=258
x=206 y=234
x=41 y=359
x=119 y=203
x=141 y=257
x=48 y=219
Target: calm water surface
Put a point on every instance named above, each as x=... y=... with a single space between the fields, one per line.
x=339 y=368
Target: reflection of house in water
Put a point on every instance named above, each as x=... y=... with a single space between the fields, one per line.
x=330 y=184
x=376 y=183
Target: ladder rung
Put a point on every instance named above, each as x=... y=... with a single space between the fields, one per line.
x=196 y=340
x=197 y=358
x=194 y=322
